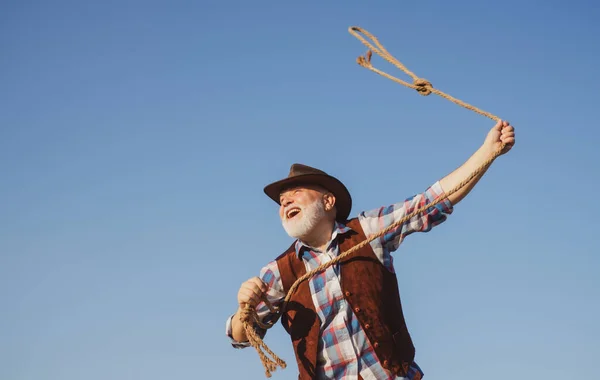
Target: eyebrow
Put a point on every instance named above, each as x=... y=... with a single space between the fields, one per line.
x=288 y=190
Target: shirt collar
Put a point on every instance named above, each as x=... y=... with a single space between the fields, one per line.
x=338 y=229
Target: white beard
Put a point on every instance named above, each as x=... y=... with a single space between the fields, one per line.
x=302 y=225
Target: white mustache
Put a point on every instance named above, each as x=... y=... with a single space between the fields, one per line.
x=288 y=209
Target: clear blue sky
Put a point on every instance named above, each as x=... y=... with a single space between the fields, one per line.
x=136 y=138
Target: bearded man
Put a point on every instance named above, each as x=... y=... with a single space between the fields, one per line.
x=346 y=322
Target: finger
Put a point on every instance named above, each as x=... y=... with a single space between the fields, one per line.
x=245 y=305
x=259 y=283
x=507 y=134
x=498 y=126
x=255 y=285
x=252 y=287
x=249 y=297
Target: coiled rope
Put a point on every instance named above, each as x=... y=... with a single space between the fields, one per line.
x=249 y=316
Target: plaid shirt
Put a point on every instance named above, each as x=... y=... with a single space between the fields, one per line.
x=344 y=350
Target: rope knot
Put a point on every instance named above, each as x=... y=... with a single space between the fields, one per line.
x=423 y=86
x=366 y=60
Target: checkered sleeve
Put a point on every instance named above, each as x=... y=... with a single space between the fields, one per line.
x=378 y=219
x=275 y=294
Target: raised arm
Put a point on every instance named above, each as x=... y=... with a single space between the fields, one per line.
x=378 y=219
x=501 y=133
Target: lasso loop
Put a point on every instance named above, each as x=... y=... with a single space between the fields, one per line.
x=421 y=85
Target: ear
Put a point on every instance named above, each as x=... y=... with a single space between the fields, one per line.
x=328 y=201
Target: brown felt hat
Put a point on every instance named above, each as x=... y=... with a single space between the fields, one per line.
x=305 y=175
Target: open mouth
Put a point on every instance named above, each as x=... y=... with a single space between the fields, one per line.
x=292 y=212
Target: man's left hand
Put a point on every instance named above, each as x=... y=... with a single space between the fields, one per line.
x=501 y=134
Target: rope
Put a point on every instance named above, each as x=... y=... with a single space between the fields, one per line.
x=248 y=316
x=423 y=86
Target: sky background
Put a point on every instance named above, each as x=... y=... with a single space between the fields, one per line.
x=136 y=138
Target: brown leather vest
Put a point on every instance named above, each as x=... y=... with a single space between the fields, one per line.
x=372 y=292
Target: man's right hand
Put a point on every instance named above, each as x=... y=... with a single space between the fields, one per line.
x=250 y=292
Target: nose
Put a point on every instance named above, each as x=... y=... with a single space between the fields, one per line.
x=285 y=201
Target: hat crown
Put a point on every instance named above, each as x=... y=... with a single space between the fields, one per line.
x=300 y=169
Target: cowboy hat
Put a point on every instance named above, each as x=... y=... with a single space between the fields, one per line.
x=305 y=175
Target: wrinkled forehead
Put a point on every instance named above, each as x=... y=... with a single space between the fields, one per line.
x=292 y=188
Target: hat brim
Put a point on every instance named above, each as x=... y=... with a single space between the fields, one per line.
x=343 y=200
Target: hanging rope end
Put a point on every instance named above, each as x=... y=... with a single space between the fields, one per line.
x=268 y=371
x=365 y=61
x=271 y=366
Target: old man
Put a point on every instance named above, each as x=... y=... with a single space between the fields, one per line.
x=347 y=322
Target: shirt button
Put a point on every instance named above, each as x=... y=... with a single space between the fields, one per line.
x=348 y=294
x=385 y=363
x=367 y=326
x=357 y=309
x=376 y=344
